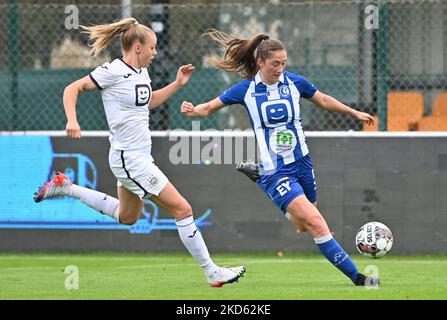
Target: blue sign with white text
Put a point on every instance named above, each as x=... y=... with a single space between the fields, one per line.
x=26 y=162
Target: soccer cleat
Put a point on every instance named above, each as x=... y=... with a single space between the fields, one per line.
x=250 y=169
x=58 y=187
x=366 y=281
x=225 y=275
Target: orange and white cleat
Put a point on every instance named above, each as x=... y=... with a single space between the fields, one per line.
x=226 y=275
x=58 y=187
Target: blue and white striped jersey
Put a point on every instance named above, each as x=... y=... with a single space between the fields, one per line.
x=274 y=112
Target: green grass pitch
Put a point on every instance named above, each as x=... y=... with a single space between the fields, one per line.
x=175 y=276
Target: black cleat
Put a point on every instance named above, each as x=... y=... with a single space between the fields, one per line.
x=250 y=169
x=366 y=281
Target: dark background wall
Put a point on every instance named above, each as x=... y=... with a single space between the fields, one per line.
x=399 y=181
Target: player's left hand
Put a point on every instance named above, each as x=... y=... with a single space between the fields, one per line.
x=364 y=117
x=184 y=73
x=187 y=109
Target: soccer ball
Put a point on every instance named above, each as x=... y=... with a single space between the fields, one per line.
x=374 y=240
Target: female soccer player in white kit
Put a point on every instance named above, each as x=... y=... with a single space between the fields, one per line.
x=127 y=96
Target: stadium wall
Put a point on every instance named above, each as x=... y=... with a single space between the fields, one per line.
x=397 y=179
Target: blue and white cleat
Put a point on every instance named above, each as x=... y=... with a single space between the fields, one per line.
x=225 y=275
x=58 y=187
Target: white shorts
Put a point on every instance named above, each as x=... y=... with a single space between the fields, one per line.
x=135 y=170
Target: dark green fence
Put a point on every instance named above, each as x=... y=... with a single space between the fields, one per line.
x=334 y=44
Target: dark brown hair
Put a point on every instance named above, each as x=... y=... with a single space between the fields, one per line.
x=240 y=54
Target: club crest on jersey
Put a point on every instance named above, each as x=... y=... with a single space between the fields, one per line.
x=284 y=91
x=153 y=181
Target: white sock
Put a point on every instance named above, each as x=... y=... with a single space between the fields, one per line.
x=323 y=239
x=97 y=200
x=193 y=241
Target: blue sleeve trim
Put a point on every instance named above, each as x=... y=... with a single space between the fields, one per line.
x=225 y=100
x=311 y=93
x=95 y=82
x=235 y=94
x=306 y=89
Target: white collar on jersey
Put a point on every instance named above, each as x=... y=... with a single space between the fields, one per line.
x=258 y=78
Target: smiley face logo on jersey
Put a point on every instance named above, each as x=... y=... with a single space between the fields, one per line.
x=142 y=94
x=276 y=112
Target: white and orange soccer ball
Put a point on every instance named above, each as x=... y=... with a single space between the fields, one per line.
x=374 y=240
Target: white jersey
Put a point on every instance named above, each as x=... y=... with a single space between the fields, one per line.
x=126 y=93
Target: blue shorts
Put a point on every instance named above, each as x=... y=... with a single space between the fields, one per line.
x=289 y=182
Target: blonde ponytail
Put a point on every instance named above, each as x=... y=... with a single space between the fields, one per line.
x=100 y=36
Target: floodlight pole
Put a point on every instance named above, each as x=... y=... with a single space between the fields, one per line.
x=126 y=9
x=13 y=58
x=382 y=66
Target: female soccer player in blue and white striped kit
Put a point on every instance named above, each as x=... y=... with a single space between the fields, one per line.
x=127 y=96
x=271 y=96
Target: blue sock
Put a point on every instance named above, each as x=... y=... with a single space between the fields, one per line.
x=337 y=256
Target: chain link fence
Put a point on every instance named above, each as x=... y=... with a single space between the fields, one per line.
x=388 y=58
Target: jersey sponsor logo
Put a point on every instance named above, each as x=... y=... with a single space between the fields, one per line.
x=284 y=137
x=283 y=142
x=283 y=188
x=284 y=91
x=142 y=94
x=260 y=94
x=127 y=75
x=276 y=112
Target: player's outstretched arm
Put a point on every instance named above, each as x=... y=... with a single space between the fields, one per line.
x=201 y=110
x=71 y=93
x=329 y=103
x=162 y=95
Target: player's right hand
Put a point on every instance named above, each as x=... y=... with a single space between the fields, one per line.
x=73 y=129
x=187 y=109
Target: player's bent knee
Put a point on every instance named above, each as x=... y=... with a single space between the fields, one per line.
x=129 y=218
x=318 y=225
x=182 y=211
x=128 y=221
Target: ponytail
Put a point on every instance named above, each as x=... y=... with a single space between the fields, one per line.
x=128 y=29
x=240 y=54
